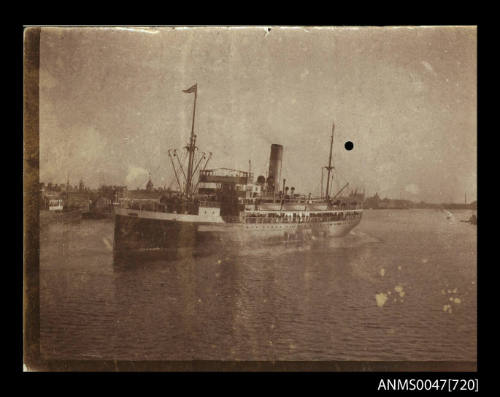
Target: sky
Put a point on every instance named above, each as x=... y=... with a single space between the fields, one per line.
x=111 y=105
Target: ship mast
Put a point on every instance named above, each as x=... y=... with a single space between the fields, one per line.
x=191 y=147
x=329 y=167
x=67 y=188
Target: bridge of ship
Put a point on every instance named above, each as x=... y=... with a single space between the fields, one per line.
x=226 y=176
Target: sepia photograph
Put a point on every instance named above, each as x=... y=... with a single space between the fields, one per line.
x=250 y=197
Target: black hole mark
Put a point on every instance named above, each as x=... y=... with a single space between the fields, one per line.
x=349 y=145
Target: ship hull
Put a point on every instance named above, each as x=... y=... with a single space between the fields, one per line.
x=143 y=231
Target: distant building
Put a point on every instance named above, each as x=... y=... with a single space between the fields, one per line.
x=459 y=206
x=144 y=194
x=394 y=204
x=375 y=202
x=372 y=202
x=111 y=192
x=102 y=203
x=46 y=197
x=81 y=186
x=79 y=199
x=48 y=193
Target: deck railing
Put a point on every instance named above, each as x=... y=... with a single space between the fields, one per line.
x=307 y=204
x=303 y=219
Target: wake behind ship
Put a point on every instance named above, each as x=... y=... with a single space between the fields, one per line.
x=228 y=206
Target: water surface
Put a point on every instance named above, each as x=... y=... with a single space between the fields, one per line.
x=401 y=286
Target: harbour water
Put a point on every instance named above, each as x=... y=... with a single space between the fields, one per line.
x=400 y=286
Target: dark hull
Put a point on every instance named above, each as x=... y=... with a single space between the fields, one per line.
x=140 y=234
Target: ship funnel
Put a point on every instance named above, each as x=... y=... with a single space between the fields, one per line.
x=275 y=160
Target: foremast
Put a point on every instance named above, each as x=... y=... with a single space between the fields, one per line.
x=191 y=147
x=186 y=184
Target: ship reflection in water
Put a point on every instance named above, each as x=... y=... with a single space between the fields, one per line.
x=318 y=300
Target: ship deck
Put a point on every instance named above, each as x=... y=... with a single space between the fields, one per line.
x=248 y=216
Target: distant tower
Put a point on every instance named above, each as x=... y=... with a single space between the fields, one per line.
x=149 y=186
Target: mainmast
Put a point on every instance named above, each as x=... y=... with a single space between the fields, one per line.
x=329 y=167
x=191 y=147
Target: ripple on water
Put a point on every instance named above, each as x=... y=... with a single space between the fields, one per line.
x=314 y=301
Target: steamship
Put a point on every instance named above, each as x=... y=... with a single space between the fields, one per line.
x=228 y=206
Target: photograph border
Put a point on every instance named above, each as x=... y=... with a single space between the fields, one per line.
x=32 y=360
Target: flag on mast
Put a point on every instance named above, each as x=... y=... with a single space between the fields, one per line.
x=194 y=88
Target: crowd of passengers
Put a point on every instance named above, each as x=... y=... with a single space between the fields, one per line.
x=300 y=218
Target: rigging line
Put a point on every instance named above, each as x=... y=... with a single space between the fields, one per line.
x=175 y=172
x=196 y=176
x=339 y=174
x=340 y=191
x=203 y=169
x=329 y=167
x=196 y=157
x=183 y=159
x=203 y=155
x=180 y=165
